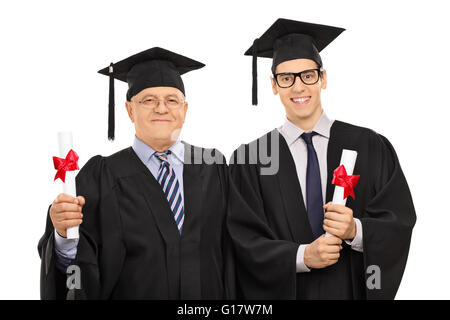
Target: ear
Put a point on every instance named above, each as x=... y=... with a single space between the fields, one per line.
x=274 y=85
x=130 y=110
x=185 y=107
x=323 y=81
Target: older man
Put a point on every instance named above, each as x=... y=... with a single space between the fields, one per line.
x=151 y=216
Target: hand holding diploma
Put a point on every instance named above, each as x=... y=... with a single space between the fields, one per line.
x=65 y=211
x=338 y=219
x=322 y=252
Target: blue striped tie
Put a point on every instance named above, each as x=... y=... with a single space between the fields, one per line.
x=171 y=188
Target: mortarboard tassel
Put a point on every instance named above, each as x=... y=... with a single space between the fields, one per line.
x=255 y=74
x=111 y=104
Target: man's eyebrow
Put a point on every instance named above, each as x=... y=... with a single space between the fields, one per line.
x=148 y=96
x=291 y=72
x=173 y=95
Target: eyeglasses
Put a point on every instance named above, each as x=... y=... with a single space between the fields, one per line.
x=151 y=102
x=308 y=77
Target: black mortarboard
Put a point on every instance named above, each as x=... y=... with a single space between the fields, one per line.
x=155 y=67
x=289 y=39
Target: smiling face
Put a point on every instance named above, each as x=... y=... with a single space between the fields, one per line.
x=302 y=102
x=159 y=125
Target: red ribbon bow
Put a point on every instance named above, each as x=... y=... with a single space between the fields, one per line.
x=67 y=164
x=341 y=179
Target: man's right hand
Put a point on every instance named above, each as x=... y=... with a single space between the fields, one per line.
x=323 y=252
x=65 y=212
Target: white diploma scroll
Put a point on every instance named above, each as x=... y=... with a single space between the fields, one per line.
x=65 y=143
x=348 y=159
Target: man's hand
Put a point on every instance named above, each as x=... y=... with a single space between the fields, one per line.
x=65 y=212
x=323 y=252
x=339 y=221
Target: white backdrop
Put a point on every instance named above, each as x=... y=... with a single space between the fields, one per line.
x=387 y=71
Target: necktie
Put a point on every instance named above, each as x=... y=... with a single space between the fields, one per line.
x=171 y=188
x=314 y=200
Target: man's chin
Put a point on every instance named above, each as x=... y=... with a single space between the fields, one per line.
x=303 y=114
x=159 y=136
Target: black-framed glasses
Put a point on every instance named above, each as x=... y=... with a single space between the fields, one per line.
x=308 y=77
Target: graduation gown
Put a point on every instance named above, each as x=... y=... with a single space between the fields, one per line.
x=130 y=247
x=268 y=221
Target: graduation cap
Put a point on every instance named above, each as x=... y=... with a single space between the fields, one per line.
x=288 y=40
x=155 y=67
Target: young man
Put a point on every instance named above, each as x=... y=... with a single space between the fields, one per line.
x=153 y=214
x=278 y=221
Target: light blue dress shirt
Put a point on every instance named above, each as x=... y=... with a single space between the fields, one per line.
x=176 y=159
x=66 y=249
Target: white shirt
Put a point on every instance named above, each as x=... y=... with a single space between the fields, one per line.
x=292 y=134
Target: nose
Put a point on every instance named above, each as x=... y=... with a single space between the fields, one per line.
x=298 y=85
x=161 y=108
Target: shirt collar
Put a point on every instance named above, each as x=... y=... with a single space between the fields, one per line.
x=145 y=152
x=292 y=132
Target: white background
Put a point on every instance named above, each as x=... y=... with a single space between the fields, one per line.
x=388 y=71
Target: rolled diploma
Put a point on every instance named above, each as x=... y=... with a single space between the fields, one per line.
x=348 y=159
x=65 y=142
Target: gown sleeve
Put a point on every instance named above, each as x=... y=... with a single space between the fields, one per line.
x=265 y=265
x=52 y=281
x=387 y=221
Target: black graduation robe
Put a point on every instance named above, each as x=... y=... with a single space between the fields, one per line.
x=268 y=221
x=130 y=247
